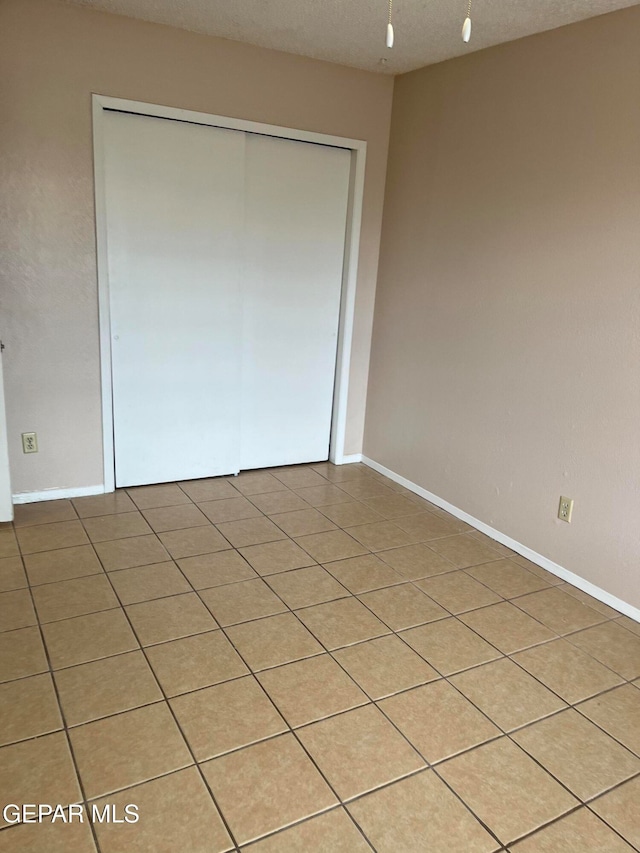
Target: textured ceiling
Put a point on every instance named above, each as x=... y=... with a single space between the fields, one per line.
x=352 y=32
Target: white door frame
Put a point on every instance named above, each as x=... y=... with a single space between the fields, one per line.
x=6 y=500
x=358 y=150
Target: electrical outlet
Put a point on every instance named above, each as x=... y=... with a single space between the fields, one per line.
x=29 y=442
x=565 y=509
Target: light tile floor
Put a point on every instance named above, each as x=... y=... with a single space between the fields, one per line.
x=306 y=659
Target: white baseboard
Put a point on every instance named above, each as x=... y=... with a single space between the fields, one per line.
x=84 y=491
x=57 y=494
x=544 y=562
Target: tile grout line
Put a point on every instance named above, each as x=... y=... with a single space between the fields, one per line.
x=290 y=730
x=437 y=764
x=341 y=802
x=507 y=734
x=252 y=674
x=413 y=582
x=371 y=699
x=171 y=711
x=392 y=633
x=508 y=655
x=366 y=640
x=589 y=806
x=294 y=731
x=581 y=803
x=428 y=765
x=60 y=708
x=568 y=705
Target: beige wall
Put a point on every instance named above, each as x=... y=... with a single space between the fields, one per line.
x=505 y=367
x=51 y=58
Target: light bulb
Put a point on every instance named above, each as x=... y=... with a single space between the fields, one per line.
x=466 y=30
x=389 y=34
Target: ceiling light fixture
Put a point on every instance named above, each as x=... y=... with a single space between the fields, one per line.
x=466 y=27
x=390 y=26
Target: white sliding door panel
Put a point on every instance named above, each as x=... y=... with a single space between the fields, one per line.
x=174 y=195
x=296 y=208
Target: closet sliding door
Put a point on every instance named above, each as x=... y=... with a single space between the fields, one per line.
x=296 y=212
x=225 y=253
x=174 y=195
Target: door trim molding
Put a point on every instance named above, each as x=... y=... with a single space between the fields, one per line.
x=358 y=149
x=351 y=458
x=58 y=494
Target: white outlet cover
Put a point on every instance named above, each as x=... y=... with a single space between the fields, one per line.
x=565 y=509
